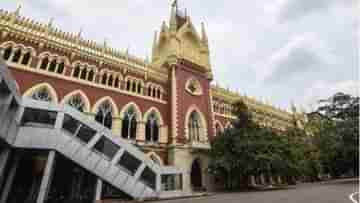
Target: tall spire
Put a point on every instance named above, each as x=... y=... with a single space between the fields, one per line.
x=154 y=47
x=204 y=37
x=17 y=11
x=173 y=21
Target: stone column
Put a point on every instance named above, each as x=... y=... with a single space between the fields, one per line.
x=262 y=179
x=163 y=134
x=10 y=179
x=252 y=181
x=140 y=135
x=271 y=180
x=173 y=104
x=279 y=179
x=116 y=127
x=98 y=190
x=4 y=157
x=46 y=179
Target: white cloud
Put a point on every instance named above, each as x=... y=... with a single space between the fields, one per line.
x=284 y=10
x=302 y=53
x=324 y=89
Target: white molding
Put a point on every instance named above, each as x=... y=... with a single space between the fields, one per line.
x=83 y=82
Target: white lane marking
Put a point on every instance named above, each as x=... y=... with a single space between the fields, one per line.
x=351 y=196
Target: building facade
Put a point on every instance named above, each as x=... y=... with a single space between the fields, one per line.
x=166 y=106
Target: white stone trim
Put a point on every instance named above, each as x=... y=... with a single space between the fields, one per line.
x=157 y=112
x=103 y=99
x=82 y=94
x=83 y=82
x=157 y=157
x=137 y=109
x=204 y=130
x=36 y=87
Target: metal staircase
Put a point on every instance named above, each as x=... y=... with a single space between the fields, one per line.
x=34 y=124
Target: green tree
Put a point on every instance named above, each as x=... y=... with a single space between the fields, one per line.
x=335 y=129
x=250 y=149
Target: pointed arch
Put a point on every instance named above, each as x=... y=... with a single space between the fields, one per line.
x=7 y=44
x=52 y=92
x=157 y=113
x=155 y=158
x=103 y=99
x=83 y=96
x=137 y=110
x=203 y=128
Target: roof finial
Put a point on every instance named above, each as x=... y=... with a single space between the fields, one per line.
x=50 y=22
x=204 y=37
x=173 y=20
x=80 y=32
x=17 y=11
x=174 y=4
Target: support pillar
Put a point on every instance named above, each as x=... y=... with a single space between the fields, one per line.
x=252 y=181
x=262 y=179
x=98 y=190
x=10 y=179
x=4 y=157
x=140 y=136
x=271 y=179
x=46 y=179
x=279 y=180
x=173 y=104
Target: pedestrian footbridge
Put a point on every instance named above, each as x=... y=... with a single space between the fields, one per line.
x=60 y=129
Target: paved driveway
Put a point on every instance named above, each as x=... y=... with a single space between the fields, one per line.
x=330 y=192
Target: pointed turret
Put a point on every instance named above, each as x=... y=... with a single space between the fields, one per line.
x=154 y=47
x=17 y=11
x=204 y=38
x=173 y=20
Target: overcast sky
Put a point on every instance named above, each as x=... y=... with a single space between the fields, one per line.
x=275 y=50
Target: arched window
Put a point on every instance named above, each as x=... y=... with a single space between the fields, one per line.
x=52 y=66
x=91 y=75
x=83 y=73
x=104 y=78
x=104 y=114
x=152 y=129
x=149 y=91
x=44 y=63
x=16 y=56
x=153 y=93
x=7 y=53
x=117 y=82
x=129 y=124
x=42 y=94
x=76 y=72
x=139 y=87
x=128 y=85
x=158 y=94
x=77 y=102
x=110 y=82
x=194 y=127
x=61 y=67
x=133 y=89
x=26 y=59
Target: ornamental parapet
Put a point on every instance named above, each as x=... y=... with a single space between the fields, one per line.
x=41 y=33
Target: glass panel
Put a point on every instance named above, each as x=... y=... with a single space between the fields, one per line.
x=85 y=133
x=171 y=182
x=149 y=178
x=129 y=162
x=39 y=116
x=70 y=124
x=107 y=147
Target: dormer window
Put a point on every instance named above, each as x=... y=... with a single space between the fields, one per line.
x=193 y=87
